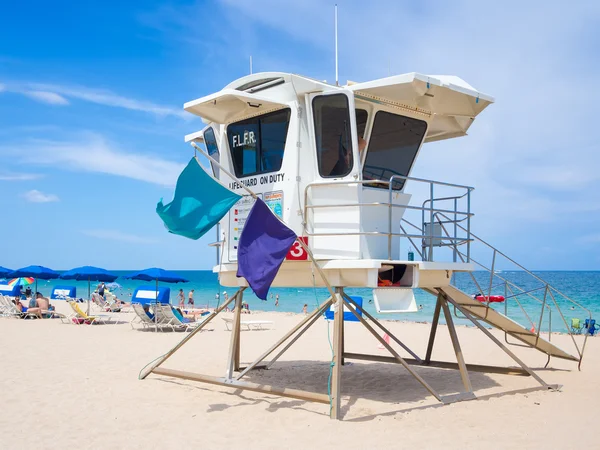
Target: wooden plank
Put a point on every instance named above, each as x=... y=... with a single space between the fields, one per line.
x=235 y=384
x=440 y=364
x=464 y=374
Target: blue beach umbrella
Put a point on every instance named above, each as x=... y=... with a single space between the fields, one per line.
x=37 y=272
x=156 y=274
x=4 y=272
x=90 y=274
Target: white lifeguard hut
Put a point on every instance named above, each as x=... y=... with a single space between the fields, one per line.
x=333 y=163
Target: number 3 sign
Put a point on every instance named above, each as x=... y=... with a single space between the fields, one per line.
x=297 y=253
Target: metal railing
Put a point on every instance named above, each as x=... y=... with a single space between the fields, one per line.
x=512 y=291
x=429 y=208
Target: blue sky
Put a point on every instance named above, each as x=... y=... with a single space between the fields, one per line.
x=92 y=125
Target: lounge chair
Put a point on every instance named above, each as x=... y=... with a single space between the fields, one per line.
x=142 y=318
x=590 y=326
x=9 y=309
x=249 y=324
x=576 y=327
x=103 y=304
x=79 y=317
x=169 y=319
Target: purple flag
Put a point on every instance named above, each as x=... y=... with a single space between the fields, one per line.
x=264 y=243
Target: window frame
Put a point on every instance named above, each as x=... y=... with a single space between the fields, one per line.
x=401 y=182
x=215 y=168
x=349 y=98
x=259 y=144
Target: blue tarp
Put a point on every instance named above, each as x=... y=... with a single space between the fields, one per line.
x=348 y=316
x=10 y=291
x=147 y=295
x=199 y=203
x=61 y=292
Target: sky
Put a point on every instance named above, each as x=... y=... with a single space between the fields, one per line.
x=92 y=120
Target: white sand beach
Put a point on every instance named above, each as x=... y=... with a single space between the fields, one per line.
x=77 y=386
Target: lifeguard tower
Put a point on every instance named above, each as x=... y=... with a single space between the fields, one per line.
x=334 y=163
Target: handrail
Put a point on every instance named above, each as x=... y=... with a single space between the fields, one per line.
x=549 y=290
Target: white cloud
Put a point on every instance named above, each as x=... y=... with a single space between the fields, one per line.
x=57 y=94
x=116 y=235
x=51 y=98
x=92 y=153
x=20 y=176
x=108 y=98
x=35 y=196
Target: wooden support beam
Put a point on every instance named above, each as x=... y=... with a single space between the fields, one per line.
x=396 y=355
x=440 y=364
x=148 y=370
x=464 y=374
x=234 y=340
x=496 y=341
x=381 y=327
x=434 y=324
x=275 y=346
x=235 y=384
x=336 y=370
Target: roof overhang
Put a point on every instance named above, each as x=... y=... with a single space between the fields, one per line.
x=451 y=103
x=230 y=105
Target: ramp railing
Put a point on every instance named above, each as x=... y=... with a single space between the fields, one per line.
x=542 y=293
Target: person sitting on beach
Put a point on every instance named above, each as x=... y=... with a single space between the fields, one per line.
x=27 y=292
x=34 y=308
x=147 y=311
x=245 y=308
x=44 y=304
x=190 y=316
x=19 y=305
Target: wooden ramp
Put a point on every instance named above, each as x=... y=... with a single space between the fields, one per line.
x=500 y=321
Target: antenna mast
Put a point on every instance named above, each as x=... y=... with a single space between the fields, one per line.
x=336 y=47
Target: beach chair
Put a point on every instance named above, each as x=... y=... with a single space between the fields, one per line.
x=142 y=318
x=169 y=319
x=591 y=327
x=99 y=301
x=79 y=317
x=11 y=310
x=249 y=324
x=576 y=326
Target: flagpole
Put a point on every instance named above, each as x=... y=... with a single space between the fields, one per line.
x=247 y=189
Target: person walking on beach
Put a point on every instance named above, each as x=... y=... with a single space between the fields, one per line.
x=305 y=309
x=101 y=289
x=181 y=298
x=277 y=300
x=191 y=298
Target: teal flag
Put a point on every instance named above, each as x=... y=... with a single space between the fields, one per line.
x=198 y=205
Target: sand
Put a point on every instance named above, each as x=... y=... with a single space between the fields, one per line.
x=65 y=385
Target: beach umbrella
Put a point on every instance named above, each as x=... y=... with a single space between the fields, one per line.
x=37 y=272
x=4 y=272
x=90 y=274
x=21 y=281
x=156 y=274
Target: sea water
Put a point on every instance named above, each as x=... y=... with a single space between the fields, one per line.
x=582 y=287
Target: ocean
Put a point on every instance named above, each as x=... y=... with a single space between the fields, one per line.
x=583 y=287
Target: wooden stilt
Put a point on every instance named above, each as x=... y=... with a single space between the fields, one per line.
x=464 y=374
x=150 y=368
x=434 y=324
x=234 y=342
x=275 y=346
x=336 y=370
